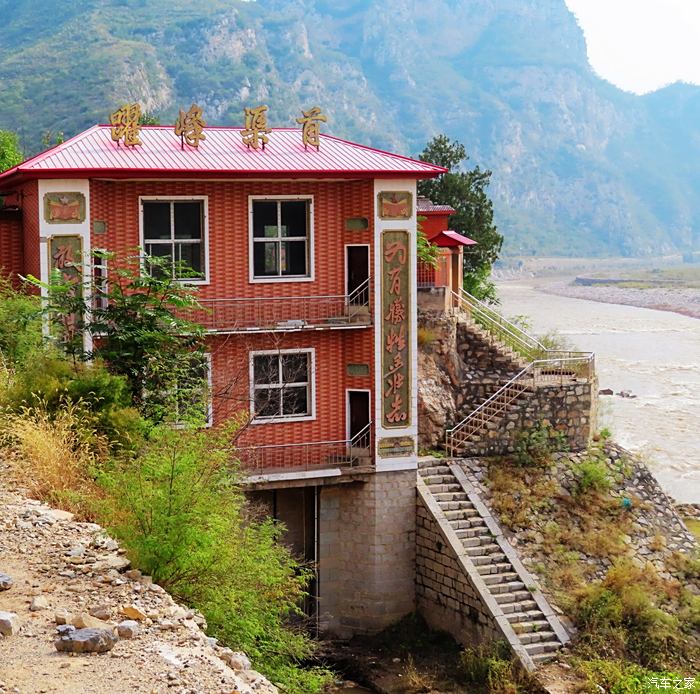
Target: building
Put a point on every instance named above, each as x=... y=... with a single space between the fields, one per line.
x=308 y=287
x=446 y=278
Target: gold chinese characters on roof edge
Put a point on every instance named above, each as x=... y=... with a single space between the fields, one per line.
x=255 y=131
x=311 y=127
x=126 y=125
x=189 y=127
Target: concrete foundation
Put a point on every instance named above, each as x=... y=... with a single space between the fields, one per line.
x=366 y=578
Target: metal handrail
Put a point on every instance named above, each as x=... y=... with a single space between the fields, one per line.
x=307 y=456
x=284 y=312
x=538 y=372
x=499 y=326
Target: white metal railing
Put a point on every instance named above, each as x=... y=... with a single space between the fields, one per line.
x=508 y=333
x=283 y=312
x=308 y=456
x=556 y=371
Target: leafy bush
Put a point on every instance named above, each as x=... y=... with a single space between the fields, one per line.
x=50 y=382
x=592 y=475
x=534 y=447
x=178 y=509
x=492 y=666
x=622 y=677
x=620 y=617
x=20 y=325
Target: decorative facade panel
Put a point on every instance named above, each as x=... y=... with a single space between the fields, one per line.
x=396 y=343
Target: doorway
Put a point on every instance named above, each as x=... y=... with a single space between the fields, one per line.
x=357 y=274
x=358 y=419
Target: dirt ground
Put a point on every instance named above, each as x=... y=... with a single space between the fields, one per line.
x=76 y=568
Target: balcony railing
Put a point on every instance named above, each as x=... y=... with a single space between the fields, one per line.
x=284 y=313
x=304 y=457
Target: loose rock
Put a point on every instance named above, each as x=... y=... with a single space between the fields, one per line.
x=9 y=623
x=128 y=629
x=86 y=641
x=5 y=582
x=39 y=603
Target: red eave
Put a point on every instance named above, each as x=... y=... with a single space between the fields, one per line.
x=449 y=238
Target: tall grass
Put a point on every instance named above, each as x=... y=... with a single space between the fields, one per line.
x=56 y=455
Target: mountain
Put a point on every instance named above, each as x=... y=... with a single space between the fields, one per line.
x=579 y=166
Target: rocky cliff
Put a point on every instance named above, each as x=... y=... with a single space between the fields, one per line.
x=580 y=167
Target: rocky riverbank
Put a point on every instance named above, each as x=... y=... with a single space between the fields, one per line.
x=68 y=590
x=683 y=300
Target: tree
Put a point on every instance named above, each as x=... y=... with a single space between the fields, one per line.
x=141 y=330
x=9 y=150
x=465 y=190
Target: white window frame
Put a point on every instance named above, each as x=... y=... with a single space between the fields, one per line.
x=312 y=386
x=210 y=402
x=98 y=298
x=205 y=231
x=251 y=239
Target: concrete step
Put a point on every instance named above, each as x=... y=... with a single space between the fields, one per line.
x=522 y=606
x=461 y=514
x=542 y=647
x=434 y=470
x=455 y=505
x=506 y=587
x=473 y=522
x=477 y=541
x=512 y=596
x=525 y=627
x=489 y=548
x=525 y=616
x=450 y=496
x=469 y=532
x=494 y=568
x=497 y=579
x=431 y=480
x=494 y=559
x=444 y=488
x=532 y=637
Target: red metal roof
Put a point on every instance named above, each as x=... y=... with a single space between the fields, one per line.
x=449 y=238
x=223 y=154
x=425 y=206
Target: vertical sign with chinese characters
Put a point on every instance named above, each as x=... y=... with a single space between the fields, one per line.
x=65 y=257
x=396 y=345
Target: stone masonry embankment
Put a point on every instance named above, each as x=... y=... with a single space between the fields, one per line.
x=460 y=366
x=66 y=572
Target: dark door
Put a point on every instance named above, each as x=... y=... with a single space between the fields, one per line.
x=358 y=401
x=357 y=274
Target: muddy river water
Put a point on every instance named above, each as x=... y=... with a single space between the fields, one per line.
x=654 y=355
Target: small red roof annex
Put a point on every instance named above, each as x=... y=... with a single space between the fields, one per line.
x=222 y=155
x=426 y=206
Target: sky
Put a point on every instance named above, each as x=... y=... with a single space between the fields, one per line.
x=641 y=45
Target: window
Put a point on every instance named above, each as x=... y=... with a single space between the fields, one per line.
x=281 y=238
x=175 y=229
x=282 y=384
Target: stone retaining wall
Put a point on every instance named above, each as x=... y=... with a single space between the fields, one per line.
x=568 y=408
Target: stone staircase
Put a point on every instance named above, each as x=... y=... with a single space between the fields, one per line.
x=491 y=565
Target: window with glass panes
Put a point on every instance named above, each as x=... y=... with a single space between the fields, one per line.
x=281 y=238
x=175 y=229
x=282 y=384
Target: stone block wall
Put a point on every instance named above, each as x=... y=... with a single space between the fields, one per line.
x=367 y=553
x=568 y=408
x=444 y=595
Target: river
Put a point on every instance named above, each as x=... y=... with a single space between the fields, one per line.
x=653 y=354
